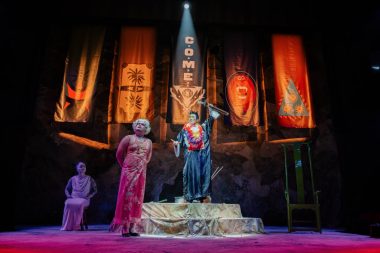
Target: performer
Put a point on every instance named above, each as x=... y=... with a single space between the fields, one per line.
x=133 y=154
x=195 y=138
x=79 y=190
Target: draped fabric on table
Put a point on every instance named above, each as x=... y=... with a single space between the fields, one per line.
x=197 y=219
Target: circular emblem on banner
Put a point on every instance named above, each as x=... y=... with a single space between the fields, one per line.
x=188 y=93
x=241 y=93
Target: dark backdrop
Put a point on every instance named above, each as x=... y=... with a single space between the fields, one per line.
x=343 y=44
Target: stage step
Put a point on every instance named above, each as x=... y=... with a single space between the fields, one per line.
x=183 y=219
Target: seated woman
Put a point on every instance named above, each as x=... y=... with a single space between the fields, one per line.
x=79 y=190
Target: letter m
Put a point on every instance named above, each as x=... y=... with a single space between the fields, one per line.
x=188 y=64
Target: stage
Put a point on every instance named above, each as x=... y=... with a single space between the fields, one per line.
x=98 y=239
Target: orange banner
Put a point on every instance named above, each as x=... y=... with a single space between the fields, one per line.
x=80 y=75
x=134 y=87
x=242 y=99
x=293 y=97
x=240 y=56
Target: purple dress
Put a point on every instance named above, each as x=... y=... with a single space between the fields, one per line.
x=82 y=189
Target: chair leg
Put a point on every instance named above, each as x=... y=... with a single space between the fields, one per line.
x=289 y=219
x=83 y=223
x=318 y=217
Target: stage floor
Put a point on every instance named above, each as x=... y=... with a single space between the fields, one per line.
x=98 y=239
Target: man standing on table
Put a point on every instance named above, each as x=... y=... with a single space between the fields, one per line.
x=195 y=138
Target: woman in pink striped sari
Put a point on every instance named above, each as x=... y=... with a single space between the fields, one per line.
x=133 y=154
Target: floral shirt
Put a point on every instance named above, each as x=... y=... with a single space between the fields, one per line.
x=193 y=136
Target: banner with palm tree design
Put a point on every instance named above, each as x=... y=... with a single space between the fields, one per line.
x=135 y=74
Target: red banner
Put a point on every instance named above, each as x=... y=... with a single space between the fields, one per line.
x=240 y=54
x=293 y=97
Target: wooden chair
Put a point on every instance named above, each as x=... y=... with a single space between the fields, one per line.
x=83 y=223
x=299 y=195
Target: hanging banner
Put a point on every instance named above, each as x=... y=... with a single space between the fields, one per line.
x=293 y=97
x=135 y=74
x=81 y=69
x=188 y=85
x=242 y=95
